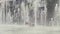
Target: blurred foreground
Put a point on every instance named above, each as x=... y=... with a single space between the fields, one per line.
x=23 y=29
